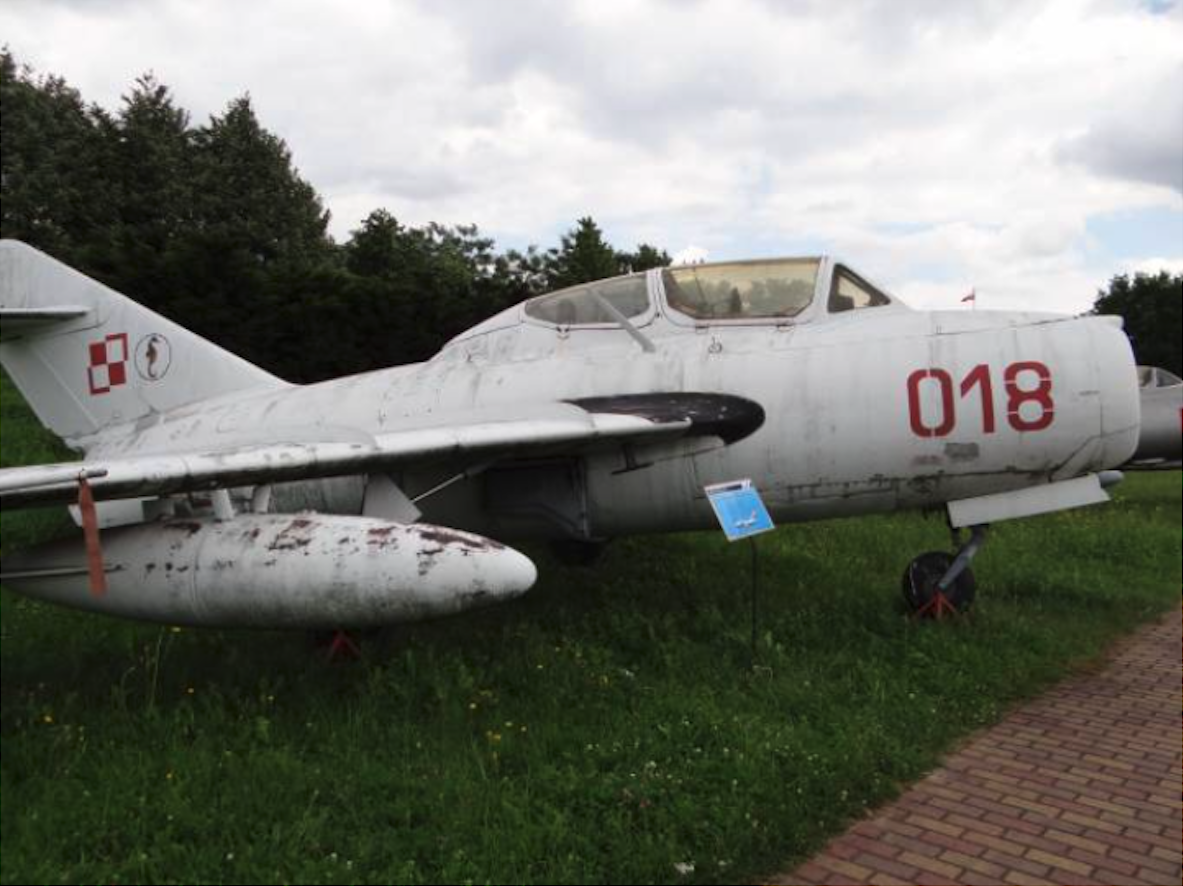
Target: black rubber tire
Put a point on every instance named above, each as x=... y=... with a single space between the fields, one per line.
x=920 y=582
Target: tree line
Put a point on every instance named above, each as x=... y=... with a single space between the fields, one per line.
x=214 y=227
x=1152 y=305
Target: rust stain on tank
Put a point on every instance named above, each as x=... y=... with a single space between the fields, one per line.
x=293 y=536
x=427 y=558
x=450 y=537
x=382 y=536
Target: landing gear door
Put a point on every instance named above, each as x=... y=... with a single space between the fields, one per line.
x=546 y=498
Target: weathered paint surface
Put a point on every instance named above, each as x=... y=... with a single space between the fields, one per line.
x=836 y=439
x=829 y=414
x=290 y=570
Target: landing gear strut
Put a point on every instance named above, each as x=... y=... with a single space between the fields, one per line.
x=938 y=583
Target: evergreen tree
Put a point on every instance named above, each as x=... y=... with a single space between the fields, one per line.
x=583 y=256
x=376 y=249
x=1152 y=306
x=644 y=258
x=151 y=181
x=53 y=193
x=523 y=274
x=428 y=283
x=154 y=170
x=249 y=193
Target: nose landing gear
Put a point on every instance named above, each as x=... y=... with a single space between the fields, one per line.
x=938 y=583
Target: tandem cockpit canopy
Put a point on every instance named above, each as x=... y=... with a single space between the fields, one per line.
x=774 y=289
x=668 y=301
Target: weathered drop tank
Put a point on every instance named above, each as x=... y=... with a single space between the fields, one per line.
x=295 y=571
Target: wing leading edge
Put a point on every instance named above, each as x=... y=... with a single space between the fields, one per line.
x=557 y=427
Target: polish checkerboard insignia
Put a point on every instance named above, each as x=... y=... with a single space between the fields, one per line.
x=108 y=363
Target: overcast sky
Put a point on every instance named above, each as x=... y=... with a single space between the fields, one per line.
x=1028 y=149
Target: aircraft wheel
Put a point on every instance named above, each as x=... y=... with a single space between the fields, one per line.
x=920 y=583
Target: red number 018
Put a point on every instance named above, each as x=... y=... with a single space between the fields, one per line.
x=1027 y=381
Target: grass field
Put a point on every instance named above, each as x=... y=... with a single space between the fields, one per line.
x=605 y=728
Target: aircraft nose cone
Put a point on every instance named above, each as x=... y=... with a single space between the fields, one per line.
x=1117 y=388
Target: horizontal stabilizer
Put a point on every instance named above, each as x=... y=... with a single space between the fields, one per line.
x=21 y=322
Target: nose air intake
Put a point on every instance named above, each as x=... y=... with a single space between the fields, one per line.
x=1117 y=387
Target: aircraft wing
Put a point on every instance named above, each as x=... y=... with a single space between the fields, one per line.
x=569 y=426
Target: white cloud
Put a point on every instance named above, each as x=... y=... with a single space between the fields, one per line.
x=936 y=145
x=1140 y=139
x=1154 y=266
x=690 y=254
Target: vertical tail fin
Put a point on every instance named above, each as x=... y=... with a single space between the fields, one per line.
x=86 y=357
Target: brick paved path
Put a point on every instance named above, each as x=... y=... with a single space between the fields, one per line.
x=1082 y=785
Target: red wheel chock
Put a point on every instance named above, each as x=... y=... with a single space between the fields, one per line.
x=937 y=607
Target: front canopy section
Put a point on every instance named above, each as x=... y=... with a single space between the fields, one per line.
x=593 y=304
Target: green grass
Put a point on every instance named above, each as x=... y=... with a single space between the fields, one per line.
x=603 y=729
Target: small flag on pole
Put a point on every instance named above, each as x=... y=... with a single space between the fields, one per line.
x=972 y=298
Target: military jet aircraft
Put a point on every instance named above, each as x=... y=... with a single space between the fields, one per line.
x=211 y=492
x=1160 y=441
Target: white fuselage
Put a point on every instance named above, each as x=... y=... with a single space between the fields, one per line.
x=866 y=411
x=229 y=497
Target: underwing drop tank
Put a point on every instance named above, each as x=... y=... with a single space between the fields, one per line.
x=277 y=571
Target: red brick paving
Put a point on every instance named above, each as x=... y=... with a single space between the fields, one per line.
x=1083 y=785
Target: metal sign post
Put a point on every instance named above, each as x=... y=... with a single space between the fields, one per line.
x=741 y=513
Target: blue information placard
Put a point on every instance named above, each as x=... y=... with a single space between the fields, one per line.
x=739 y=509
